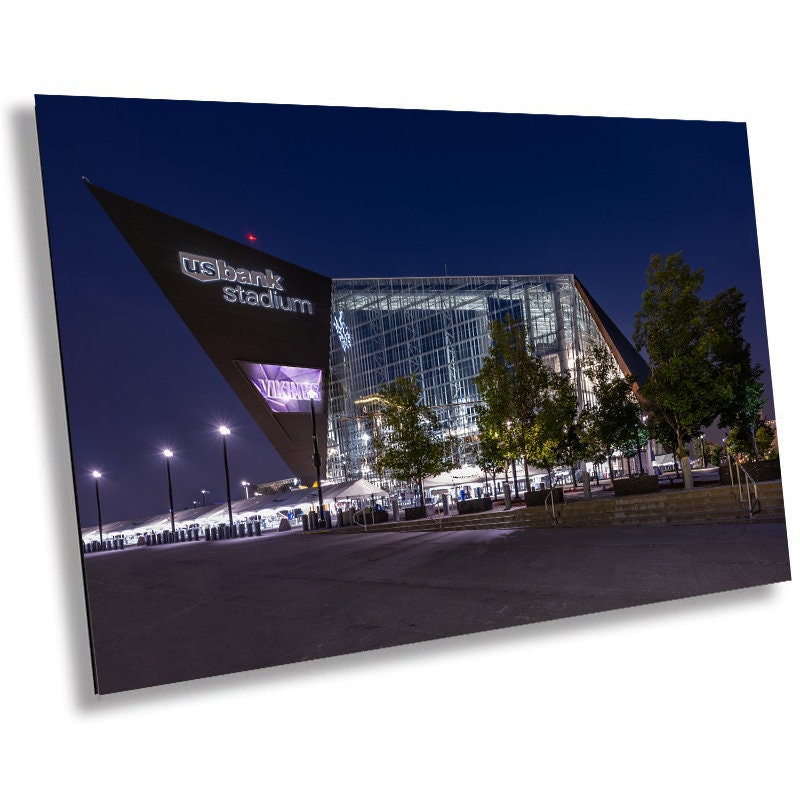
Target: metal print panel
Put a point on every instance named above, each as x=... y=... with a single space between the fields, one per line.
x=459 y=414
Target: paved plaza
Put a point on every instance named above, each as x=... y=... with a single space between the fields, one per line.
x=193 y=610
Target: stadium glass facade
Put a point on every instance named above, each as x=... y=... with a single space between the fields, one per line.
x=437 y=328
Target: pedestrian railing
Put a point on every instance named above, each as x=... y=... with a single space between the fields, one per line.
x=550 y=506
x=747 y=495
x=362 y=513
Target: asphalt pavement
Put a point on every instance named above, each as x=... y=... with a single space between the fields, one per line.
x=193 y=610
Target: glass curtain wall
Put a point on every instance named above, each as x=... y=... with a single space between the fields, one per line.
x=438 y=330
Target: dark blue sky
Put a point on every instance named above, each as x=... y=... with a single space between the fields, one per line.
x=349 y=192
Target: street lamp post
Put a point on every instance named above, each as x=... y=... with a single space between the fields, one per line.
x=204 y=492
x=225 y=432
x=703 y=449
x=168 y=455
x=246 y=485
x=96 y=475
x=317 y=460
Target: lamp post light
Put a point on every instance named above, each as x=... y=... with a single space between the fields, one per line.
x=312 y=396
x=168 y=455
x=246 y=485
x=225 y=432
x=96 y=475
x=204 y=492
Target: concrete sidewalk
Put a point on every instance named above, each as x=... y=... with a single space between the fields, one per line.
x=187 y=611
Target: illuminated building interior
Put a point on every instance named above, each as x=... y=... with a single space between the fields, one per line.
x=437 y=328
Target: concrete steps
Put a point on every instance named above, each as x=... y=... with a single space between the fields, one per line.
x=709 y=505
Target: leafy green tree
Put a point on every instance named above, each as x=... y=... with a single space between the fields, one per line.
x=632 y=447
x=578 y=443
x=751 y=443
x=555 y=434
x=614 y=417
x=698 y=356
x=714 y=454
x=487 y=451
x=512 y=382
x=409 y=441
x=743 y=415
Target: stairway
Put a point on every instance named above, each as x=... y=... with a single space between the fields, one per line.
x=710 y=505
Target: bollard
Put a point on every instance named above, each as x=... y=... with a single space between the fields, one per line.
x=159 y=539
x=257 y=527
x=395 y=510
x=339 y=518
x=242 y=530
x=313 y=520
x=445 y=505
x=587 y=487
x=207 y=532
x=214 y=533
x=305 y=520
x=507 y=495
x=249 y=528
x=328 y=519
x=116 y=544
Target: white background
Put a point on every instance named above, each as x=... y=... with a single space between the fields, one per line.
x=696 y=698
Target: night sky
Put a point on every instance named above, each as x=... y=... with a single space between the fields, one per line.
x=349 y=193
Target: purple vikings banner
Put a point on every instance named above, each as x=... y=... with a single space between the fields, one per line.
x=285 y=389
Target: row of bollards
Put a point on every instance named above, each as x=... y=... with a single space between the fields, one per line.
x=314 y=521
x=194 y=533
x=114 y=543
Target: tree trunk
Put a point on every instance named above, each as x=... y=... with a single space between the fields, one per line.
x=421 y=494
x=755 y=443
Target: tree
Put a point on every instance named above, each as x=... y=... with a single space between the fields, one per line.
x=743 y=414
x=751 y=443
x=555 y=435
x=512 y=382
x=489 y=451
x=715 y=454
x=698 y=356
x=613 y=419
x=409 y=440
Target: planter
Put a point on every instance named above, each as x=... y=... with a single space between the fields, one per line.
x=475 y=505
x=538 y=497
x=644 y=484
x=414 y=512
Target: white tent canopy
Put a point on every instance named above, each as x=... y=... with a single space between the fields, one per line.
x=269 y=507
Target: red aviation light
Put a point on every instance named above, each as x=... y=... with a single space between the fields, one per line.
x=251 y=237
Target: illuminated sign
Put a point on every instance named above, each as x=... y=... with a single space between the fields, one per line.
x=261 y=289
x=285 y=389
x=342 y=331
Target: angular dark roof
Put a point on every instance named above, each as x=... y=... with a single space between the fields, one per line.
x=244 y=307
x=629 y=359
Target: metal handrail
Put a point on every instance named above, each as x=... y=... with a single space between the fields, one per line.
x=364 y=516
x=753 y=503
x=552 y=499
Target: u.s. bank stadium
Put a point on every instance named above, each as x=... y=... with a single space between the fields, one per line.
x=296 y=339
